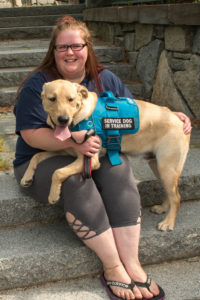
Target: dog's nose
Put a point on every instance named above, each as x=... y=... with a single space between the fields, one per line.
x=63 y=119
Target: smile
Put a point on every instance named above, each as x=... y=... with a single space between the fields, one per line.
x=70 y=60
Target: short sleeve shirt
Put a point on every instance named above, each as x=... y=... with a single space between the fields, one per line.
x=30 y=114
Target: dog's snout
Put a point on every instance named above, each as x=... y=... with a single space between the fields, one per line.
x=63 y=120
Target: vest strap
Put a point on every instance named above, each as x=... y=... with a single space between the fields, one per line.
x=114 y=157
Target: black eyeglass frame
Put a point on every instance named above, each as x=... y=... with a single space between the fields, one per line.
x=70 y=46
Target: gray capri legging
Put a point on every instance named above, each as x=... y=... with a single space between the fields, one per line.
x=109 y=199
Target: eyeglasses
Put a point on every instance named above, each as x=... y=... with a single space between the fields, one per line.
x=73 y=47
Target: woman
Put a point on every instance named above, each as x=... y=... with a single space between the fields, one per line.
x=109 y=221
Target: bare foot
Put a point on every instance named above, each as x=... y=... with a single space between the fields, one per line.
x=118 y=273
x=137 y=273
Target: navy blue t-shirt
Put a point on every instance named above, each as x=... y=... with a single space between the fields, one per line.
x=30 y=114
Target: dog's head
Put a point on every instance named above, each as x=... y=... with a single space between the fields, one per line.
x=66 y=102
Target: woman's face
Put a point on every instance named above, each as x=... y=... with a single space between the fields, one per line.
x=71 y=64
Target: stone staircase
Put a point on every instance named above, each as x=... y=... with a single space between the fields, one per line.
x=37 y=22
x=40 y=257
x=19 y=57
x=24 y=45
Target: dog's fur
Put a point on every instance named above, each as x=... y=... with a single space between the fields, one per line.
x=161 y=133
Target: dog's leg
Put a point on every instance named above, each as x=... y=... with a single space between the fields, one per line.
x=27 y=179
x=153 y=165
x=95 y=162
x=169 y=166
x=172 y=201
x=158 y=209
x=62 y=174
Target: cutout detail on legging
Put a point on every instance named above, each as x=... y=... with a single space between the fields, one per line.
x=83 y=232
x=139 y=218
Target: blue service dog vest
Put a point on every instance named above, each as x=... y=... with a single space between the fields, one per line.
x=112 y=118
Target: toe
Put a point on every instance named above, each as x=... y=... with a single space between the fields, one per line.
x=137 y=293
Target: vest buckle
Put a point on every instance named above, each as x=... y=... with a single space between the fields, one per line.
x=114 y=142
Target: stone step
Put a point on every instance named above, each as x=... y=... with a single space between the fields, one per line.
x=24 y=44
x=12 y=200
x=12 y=58
x=41 y=10
x=25 y=32
x=8 y=94
x=32 y=21
x=17 y=208
x=13 y=76
x=171 y=276
x=10 y=77
x=8 y=128
x=31 y=255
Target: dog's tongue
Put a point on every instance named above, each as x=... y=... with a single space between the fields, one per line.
x=62 y=133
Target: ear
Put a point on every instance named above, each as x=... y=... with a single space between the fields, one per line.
x=43 y=89
x=83 y=90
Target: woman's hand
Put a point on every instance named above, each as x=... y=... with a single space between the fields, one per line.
x=90 y=146
x=187 y=127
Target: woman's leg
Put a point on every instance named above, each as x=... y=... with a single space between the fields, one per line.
x=105 y=248
x=127 y=241
x=122 y=201
x=87 y=216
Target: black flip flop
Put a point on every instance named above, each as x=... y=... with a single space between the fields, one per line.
x=147 y=285
x=108 y=283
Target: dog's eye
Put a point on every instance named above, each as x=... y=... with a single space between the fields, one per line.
x=52 y=99
x=71 y=99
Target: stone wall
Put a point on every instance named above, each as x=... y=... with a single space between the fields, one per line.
x=20 y=3
x=162 y=43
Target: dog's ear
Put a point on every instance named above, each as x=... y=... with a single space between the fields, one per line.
x=43 y=89
x=83 y=90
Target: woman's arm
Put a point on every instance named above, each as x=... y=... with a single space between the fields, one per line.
x=43 y=138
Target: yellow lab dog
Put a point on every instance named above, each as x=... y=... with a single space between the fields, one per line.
x=161 y=133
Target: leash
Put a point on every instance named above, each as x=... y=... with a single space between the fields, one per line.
x=87 y=161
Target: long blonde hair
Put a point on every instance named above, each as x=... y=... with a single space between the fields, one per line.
x=92 y=64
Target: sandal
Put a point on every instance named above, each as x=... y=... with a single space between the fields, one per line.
x=108 y=283
x=147 y=285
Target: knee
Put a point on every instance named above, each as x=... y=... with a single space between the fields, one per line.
x=74 y=182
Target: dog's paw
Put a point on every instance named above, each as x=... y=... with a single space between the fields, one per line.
x=165 y=226
x=26 y=182
x=158 y=209
x=54 y=194
x=52 y=200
